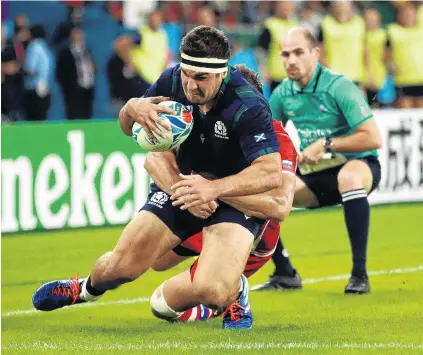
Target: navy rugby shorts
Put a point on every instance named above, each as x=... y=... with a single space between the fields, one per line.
x=184 y=225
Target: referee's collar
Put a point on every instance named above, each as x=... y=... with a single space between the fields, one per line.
x=311 y=84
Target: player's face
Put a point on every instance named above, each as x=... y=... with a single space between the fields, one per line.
x=298 y=57
x=201 y=88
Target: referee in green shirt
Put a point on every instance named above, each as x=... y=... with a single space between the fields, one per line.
x=338 y=161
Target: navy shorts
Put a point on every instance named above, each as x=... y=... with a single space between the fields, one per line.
x=324 y=184
x=184 y=225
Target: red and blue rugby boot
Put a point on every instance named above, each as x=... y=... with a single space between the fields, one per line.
x=57 y=294
x=238 y=315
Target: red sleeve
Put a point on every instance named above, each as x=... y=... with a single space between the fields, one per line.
x=287 y=149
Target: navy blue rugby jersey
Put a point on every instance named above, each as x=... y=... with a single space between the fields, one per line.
x=235 y=132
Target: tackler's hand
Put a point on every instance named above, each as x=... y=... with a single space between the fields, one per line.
x=205 y=210
x=196 y=191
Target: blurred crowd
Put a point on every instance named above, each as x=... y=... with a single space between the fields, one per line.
x=377 y=44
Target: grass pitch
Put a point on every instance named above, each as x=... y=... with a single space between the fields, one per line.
x=319 y=319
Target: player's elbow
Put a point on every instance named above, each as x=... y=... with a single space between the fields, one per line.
x=377 y=141
x=276 y=209
x=372 y=135
x=374 y=141
x=281 y=211
x=277 y=215
x=282 y=214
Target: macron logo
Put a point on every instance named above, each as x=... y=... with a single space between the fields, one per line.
x=260 y=137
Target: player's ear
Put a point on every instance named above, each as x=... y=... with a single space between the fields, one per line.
x=224 y=75
x=316 y=51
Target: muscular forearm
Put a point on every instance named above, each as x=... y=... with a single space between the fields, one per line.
x=275 y=204
x=163 y=170
x=248 y=212
x=264 y=205
x=357 y=142
x=261 y=176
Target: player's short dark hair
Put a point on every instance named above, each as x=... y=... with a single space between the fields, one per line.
x=206 y=42
x=251 y=76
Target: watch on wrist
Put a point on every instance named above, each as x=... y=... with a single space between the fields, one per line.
x=328 y=144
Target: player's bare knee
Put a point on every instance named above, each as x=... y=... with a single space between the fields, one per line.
x=349 y=180
x=214 y=295
x=159 y=306
x=355 y=175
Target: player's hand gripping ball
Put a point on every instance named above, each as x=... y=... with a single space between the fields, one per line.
x=181 y=126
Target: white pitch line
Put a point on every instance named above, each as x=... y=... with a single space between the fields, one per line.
x=347 y=276
x=88 y=304
x=371 y=273
x=229 y=345
x=143 y=299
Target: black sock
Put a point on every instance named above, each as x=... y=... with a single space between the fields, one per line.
x=281 y=260
x=91 y=290
x=357 y=219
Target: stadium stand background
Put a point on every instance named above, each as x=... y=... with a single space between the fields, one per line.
x=103 y=22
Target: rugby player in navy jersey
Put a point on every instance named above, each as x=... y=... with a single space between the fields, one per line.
x=233 y=138
x=174 y=289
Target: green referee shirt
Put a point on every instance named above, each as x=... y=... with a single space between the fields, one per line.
x=329 y=106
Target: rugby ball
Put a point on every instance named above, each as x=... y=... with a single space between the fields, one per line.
x=181 y=126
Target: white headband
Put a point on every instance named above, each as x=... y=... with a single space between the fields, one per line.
x=208 y=65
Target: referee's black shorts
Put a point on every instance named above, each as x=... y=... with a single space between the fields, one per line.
x=324 y=184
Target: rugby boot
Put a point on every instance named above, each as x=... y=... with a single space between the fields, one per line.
x=57 y=294
x=238 y=315
x=279 y=282
x=358 y=285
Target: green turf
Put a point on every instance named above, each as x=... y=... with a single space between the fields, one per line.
x=320 y=319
